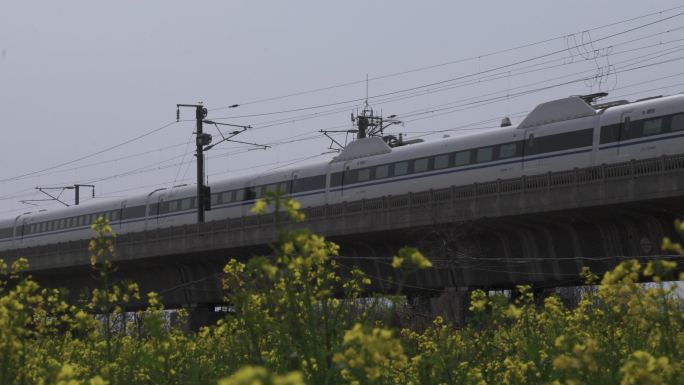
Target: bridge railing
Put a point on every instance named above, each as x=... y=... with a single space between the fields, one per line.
x=522 y=185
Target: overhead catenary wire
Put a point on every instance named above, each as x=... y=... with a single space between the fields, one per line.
x=491 y=77
x=461 y=77
x=151 y=167
x=54 y=167
x=479 y=73
x=99 y=152
x=458 y=61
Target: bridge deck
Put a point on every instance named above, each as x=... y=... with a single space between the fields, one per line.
x=632 y=181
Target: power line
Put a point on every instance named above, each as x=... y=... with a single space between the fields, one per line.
x=124 y=143
x=478 y=103
x=150 y=168
x=528 y=60
x=491 y=77
x=354 y=100
x=458 y=61
x=102 y=162
x=89 y=155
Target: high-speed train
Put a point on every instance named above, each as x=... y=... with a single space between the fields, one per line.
x=558 y=135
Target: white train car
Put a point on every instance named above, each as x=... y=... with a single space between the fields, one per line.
x=558 y=135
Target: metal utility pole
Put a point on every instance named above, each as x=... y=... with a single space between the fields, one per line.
x=201 y=140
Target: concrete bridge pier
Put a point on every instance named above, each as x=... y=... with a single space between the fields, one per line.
x=452 y=305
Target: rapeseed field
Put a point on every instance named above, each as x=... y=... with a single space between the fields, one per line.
x=289 y=325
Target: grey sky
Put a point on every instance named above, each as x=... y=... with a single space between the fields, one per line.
x=77 y=77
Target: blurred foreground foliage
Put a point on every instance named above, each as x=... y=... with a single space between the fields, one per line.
x=295 y=320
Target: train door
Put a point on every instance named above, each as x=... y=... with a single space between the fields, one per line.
x=294 y=185
x=530 y=149
x=153 y=203
x=626 y=132
x=119 y=224
x=18 y=237
x=162 y=207
x=338 y=175
x=21 y=224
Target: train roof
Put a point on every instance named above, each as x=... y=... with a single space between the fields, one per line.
x=572 y=107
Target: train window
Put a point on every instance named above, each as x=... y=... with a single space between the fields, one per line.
x=273 y=187
x=226 y=196
x=382 y=171
x=441 y=161
x=115 y=215
x=239 y=195
x=507 y=150
x=81 y=220
x=185 y=204
x=309 y=183
x=163 y=208
x=462 y=158
x=258 y=191
x=565 y=141
x=284 y=188
x=336 y=179
x=484 y=154
x=49 y=225
x=677 y=122
x=653 y=126
x=215 y=199
x=363 y=175
x=32 y=229
x=400 y=168
x=610 y=133
x=173 y=206
x=420 y=165
x=628 y=129
x=6 y=233
x=134 y=212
